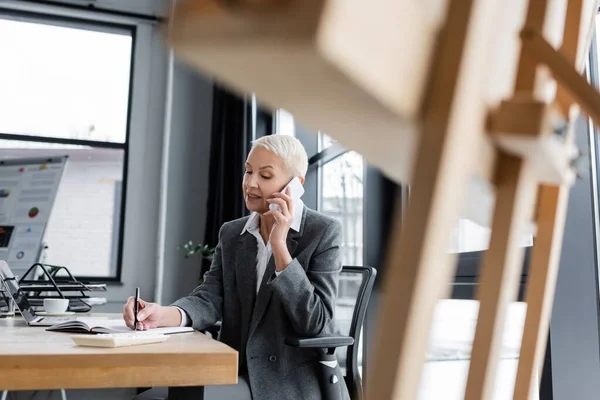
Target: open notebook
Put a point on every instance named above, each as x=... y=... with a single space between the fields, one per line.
x=99 y=325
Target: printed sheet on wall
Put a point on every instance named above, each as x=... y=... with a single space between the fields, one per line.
x=28 y=188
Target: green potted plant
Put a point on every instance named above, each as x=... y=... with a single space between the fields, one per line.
x=204 y=251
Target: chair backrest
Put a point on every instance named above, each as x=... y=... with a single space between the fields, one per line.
x=355 y=287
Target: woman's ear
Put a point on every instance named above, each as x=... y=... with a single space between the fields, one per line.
x=301 y=178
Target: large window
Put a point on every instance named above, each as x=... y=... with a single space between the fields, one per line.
x=65 y=90
x=338 y=182
x=341 y=196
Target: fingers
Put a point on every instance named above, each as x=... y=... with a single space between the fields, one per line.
x=144 y=326
x=277 y=216
x=148 y=319
x=148 y=310
x=282 y=203
x=128 y=310
x=287 y=197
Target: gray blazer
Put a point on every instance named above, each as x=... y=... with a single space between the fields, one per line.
x=299 y=302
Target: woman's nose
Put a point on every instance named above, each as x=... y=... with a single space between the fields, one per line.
x=251 y=182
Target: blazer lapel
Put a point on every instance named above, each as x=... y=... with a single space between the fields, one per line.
x=245 y=273
x=264 y=294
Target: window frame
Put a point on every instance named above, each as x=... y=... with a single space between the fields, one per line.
x=317 y=159
x=592 y=72
x=102 y=26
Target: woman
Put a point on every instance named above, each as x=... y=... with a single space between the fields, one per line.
x=274 y=275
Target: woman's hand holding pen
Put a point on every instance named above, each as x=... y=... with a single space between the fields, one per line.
x=150 y=315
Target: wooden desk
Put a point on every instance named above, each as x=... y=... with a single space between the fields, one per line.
x=33 y=359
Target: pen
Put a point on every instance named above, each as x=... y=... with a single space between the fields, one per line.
x=136 y=307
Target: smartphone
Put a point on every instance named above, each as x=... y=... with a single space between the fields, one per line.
x=296 y=191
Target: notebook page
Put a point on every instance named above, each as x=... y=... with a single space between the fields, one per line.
x=165 y=330
x=119 y=326
x=92 y=321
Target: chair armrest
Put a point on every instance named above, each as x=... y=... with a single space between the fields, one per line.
x=320 y=342
x=213 y=330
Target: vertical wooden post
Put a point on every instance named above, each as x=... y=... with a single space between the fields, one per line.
x=569 y=49
x=516 y=190
x=541 y=284
x=419 y=269
x=550 y=219
x=515 y=195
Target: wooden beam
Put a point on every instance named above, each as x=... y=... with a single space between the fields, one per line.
x=525 y=127
x=565 y=73
x=550 y=157
x=570 y=48
x=536 y=15
x=551 y=211
x=419 y=269
x=516 y=188
x=501 y=268
x=547 y=18
x=541 y=284
x=521 y=115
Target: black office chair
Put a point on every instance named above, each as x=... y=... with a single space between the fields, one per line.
x=356 y=284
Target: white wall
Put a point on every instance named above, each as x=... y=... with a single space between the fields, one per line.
x=187 y=182
x=187 y=179
x=143 y=182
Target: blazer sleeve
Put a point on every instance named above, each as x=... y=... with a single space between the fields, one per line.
x=204 y=306
x=309 y=297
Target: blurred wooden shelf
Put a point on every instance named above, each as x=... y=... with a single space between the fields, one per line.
x=333 y=65
x=430 y=92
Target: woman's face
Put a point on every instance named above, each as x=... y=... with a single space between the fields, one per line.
x=265 y=174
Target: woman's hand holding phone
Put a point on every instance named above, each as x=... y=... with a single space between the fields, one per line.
x=293 y=189
x=281 y=208
x=283 y=217
x=283 y=221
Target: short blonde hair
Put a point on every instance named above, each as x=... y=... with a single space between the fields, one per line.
x=289 y=149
